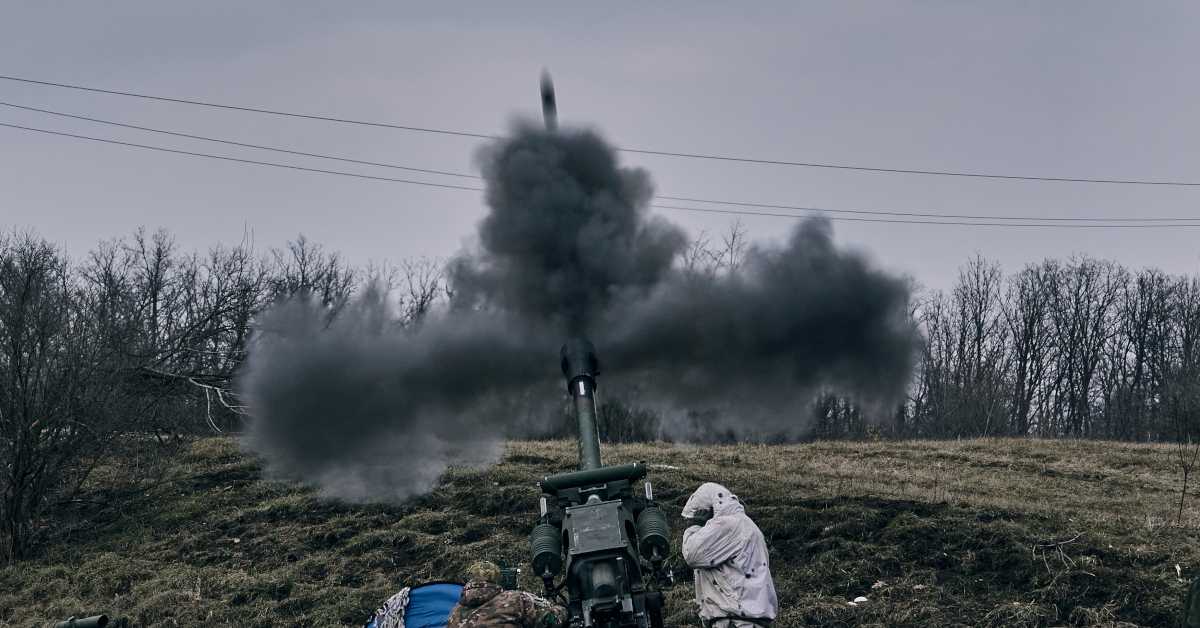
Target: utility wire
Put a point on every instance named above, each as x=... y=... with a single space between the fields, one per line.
x=940 y=173
x=670 y=207
x=665 y=197
x=234 y=143
x=924 y=222
x=239 y=160
x=643 y=151
x=876 y=212
x=288 y=114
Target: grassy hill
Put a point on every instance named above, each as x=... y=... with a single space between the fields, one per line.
x=970 y=533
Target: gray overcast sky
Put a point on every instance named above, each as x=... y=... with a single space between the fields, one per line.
x=1076 y=89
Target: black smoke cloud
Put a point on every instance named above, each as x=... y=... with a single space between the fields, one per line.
x=366 y=409
x=568 y=236
x=754 y=347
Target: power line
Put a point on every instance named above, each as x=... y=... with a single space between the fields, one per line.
x=670 y=207
x=816 y=213
x=661 y=196
x=235 y=143
x=877 y=212
x=643 y=151
x=925 y=222
x=240 y=160
x=940 y=173
x=272 y=112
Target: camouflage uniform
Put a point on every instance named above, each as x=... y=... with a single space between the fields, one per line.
x=484 y=604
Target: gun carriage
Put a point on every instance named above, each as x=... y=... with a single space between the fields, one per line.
x=597 y=528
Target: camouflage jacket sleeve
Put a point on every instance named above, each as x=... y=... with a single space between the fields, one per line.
x=456 y=617
x=542 y=613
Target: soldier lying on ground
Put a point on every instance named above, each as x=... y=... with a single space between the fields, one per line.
x=485 y=604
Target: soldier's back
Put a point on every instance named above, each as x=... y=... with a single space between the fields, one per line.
x=508 y=609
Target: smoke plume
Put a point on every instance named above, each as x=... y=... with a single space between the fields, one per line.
x=568 y=236
x=752 y=348
x=367 y=409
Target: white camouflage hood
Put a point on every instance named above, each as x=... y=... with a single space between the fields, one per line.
x=714 y=497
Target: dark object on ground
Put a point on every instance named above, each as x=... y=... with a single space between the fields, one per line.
x=611 y=543
x=508 y=578
x=95 y=621
x=1191 y=608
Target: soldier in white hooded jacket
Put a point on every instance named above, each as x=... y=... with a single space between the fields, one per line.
x=727 y=551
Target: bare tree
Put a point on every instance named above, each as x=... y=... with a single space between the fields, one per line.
x=60 y=394
x=1185 y=312
x=137 y=336
x=1084 y=296
x=305 y=268
x=1139 y=357
x=186 y=319
x=733 y=248
x=933 y=406
x=157 y=285
x=982 y=347
x=1027 y=319
x=698 y=259
x=423 y=283
x=224 y=291
x=962 y=382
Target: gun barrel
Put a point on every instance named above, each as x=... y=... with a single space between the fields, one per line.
x=589 y=432
x=580 y=367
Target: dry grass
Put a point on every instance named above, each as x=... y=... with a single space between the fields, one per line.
x=962 y=533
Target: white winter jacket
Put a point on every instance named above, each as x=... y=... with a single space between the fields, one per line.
x=733 y=577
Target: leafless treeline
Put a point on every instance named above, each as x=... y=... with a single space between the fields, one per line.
x=1076 y=348
x=139 y=337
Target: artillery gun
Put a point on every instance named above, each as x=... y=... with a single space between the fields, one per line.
x=608 y=539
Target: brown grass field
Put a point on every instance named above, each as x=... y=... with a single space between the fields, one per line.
x=952 y=533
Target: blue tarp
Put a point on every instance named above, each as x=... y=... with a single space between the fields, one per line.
x=429 y=605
